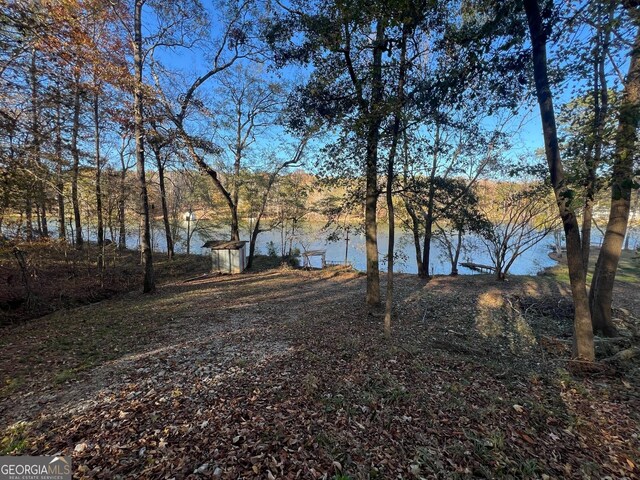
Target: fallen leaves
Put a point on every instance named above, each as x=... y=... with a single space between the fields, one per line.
x=263 y=384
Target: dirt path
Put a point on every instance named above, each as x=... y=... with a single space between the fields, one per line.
x=286 y=374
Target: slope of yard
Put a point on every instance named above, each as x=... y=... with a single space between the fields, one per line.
x=55 y=276
x=286 y=374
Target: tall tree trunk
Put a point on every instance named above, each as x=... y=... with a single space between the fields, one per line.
x=38 y=223
x=122 y=233
x=235 y=189
x=189 y=233
x=256 y=227
x=252 y=243
x=148 y=284
x=96 y=129
x=346 y=247
x=163 y=200
x=601 y=294
x=43 y=214
x=110 y=226
x=428 y=217
x=5 y=197
x=428 y=234
x=415 y=223
x=390 y=176
x=583 y=334
x=34 y=154
x=41 y=202
x=587 y=220
x=371 y=168
x=415 y=230
x=62 y=230
x=456 y=256
x=601 y=110
x=28 y=211
x=75 y=153
x=390 y=250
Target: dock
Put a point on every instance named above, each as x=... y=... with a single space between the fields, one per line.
x=478 y=267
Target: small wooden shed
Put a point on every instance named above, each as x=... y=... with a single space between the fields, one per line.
x=227 y=256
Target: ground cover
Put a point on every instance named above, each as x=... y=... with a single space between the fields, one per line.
x=628 y=268
x=286 y=374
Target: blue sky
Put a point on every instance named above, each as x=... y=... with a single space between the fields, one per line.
x=525 y=140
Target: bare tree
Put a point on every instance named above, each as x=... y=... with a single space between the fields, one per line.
x=162 y=142
x=125 y=165
x=233 y=45
x=249 y=107
x=75 y=153
x=265 y=191
x=520 y=217
x=460 y=218
x=292 y=205
x=455 y=150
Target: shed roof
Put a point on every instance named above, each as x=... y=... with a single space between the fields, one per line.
x=224 y=244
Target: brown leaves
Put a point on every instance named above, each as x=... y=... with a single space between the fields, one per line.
x=256 y=384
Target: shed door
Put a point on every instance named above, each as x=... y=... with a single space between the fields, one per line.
x=225 y=261
x=234 y=260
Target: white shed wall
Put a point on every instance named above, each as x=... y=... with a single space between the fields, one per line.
x=228 y=261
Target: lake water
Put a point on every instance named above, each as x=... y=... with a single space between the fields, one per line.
x=313 y=238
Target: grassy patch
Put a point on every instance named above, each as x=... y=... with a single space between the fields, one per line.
x=10 y=385
x=181 y=266
x=65 y=376
x=77 y=340
x=628 y=268
x=70 y=374
x=15 y=439
x=266 y=262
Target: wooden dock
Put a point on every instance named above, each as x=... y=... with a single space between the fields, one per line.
x=478 y=267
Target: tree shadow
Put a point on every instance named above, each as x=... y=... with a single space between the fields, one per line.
x=247 y=369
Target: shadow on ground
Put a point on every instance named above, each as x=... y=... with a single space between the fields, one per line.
x=287 y=373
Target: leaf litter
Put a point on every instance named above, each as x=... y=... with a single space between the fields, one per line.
x=287 y=374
